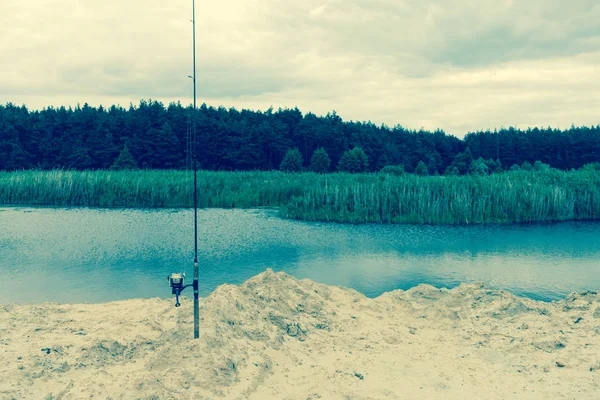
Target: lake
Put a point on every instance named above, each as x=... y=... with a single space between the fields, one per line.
x=96 y=255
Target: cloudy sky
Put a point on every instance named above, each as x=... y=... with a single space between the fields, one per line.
x=457 y=65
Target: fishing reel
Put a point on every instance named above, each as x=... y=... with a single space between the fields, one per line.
x=176 y=281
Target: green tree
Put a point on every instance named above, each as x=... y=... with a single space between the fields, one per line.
x=515 y=167
x=491 y=164
x=363 y=159
x=591 y=167
x=462 y=161
x=320 y=161
x=125 y=160
x=102 y=149
x=540 y=166
x=354 y=160
x=292 y=162
x=165 y=144
x=479 y=167
x=498 y=167
x=526 y=166
x=382 y=162
x=421 y=169
x=12 y=152
x=434 y=163
x=397 y=170
x=451 y=171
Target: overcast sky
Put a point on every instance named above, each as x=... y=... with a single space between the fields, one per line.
x=458 y=65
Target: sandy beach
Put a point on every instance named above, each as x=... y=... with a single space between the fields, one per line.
x=275 y=337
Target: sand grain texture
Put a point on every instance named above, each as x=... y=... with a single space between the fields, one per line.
x=281 y=338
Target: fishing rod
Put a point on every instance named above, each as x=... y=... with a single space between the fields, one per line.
x=176 y=280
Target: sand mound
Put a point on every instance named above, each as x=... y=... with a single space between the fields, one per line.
x=278 y=337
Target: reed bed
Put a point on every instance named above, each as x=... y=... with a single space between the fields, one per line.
x=150 y=188
x=355 y=198
x=513 y=197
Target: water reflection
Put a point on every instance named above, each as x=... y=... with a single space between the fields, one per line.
x=76 y=255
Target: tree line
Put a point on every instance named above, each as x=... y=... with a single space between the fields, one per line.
x=154 y=136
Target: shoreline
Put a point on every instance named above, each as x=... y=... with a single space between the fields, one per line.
x=278 y=337
x=278 y=210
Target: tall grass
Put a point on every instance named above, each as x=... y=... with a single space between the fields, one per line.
x=499 y=198
x=151 y=188
x=356 y=198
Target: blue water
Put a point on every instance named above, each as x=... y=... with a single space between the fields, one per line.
x=90 y=255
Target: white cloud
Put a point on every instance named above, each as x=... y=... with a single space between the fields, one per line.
x=432 y=64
